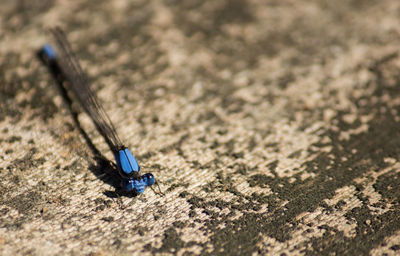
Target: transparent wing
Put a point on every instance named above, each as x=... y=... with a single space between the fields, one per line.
x=78 y=83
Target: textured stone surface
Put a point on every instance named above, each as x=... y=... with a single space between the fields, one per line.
x=272 y=126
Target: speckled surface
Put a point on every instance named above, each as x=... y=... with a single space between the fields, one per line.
x=272 y=126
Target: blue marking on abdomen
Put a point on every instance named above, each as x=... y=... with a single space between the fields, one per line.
x=49 y=52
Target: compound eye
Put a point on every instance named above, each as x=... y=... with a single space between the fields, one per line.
x=150 y=179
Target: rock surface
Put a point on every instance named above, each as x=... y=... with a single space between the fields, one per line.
x=272 y=127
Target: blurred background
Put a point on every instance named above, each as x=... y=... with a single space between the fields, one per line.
x=272 y=127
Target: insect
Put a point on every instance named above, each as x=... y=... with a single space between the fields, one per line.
x=67 y=70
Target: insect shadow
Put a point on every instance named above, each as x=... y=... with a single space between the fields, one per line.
x=103 y=169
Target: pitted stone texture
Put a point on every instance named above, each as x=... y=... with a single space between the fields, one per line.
x=272 y=128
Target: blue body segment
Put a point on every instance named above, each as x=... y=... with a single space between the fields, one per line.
x=49 y=52
x=138 y=185
x=127 y=163
x=67 y=71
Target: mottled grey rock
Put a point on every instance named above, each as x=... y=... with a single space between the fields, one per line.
x=272 y=127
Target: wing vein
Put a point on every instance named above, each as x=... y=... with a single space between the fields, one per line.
x=78 y=82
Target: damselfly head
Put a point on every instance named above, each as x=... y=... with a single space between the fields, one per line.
x=66 y=69
x=138 y=185
x=150 y=180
